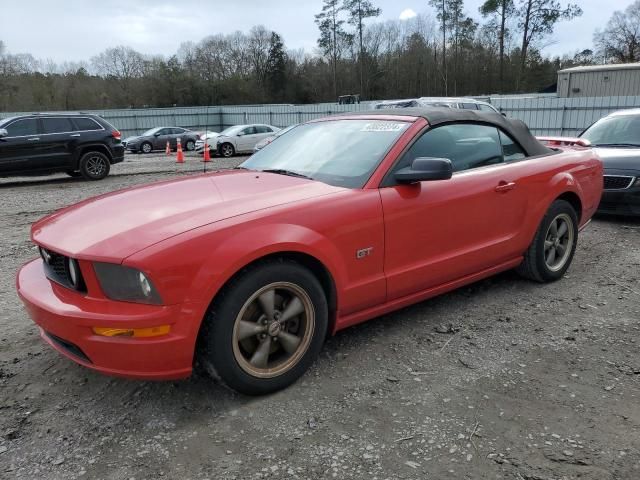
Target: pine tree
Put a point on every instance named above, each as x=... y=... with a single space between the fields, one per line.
x=275 y=70
x=359 y=10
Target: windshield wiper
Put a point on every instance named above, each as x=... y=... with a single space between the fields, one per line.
x=621 y=145
x=282 y=171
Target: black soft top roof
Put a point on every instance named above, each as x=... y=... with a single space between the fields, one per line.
x=437 y=116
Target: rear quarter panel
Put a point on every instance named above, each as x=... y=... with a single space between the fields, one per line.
x=545 y=178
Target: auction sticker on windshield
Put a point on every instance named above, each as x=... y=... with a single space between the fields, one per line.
x=384 y=127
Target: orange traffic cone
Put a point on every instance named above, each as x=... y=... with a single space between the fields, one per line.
x=180 y=155
x=167 y=150
x=207 y=155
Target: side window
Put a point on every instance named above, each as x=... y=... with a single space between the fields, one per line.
x=177 y=131
x=467 y=145
x=24 y=127
x=84 y=124
x=263 y=129
x=56 y=125
x=470 y=106
x=249 y=130
x=510 y=149
x=486 y=108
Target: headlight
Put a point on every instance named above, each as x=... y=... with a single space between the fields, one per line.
x=126 y=284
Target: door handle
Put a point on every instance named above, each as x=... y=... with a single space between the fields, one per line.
x=33 y=139
x=505 y=187
x=74 y=135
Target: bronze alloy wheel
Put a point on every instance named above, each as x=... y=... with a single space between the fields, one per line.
x=273 y=330
x=558 y=242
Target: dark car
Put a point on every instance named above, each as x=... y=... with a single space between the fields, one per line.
x=616 y=138
x=40 y=144
x=157 y=138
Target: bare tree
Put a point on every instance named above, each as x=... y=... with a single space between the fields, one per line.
x=620 y=40
x=537 y=19
x=121 y=63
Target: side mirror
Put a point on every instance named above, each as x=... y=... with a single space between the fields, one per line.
x=240 y=134
x=157 y=134
x=3 y=132
x=424 y=169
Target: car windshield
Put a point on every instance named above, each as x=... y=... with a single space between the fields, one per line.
x=343 y=153
x=229 y=132
x=622 y=131
x=148 y=133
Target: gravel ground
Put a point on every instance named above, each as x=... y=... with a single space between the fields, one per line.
x=504 y=379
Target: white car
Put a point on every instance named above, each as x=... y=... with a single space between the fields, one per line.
x=242 y=138
x=211 y=138
x=447 y=102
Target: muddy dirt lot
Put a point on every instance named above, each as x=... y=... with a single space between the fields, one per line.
x=504 y=379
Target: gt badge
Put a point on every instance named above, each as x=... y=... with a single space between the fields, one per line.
x=364 y=252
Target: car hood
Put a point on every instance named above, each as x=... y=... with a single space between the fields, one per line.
x=114 y=226
x=133 y=139
x=620 y=158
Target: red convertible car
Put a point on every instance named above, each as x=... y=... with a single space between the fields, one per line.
x=341 y=220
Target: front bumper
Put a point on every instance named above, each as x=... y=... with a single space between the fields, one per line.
x=66 y=318
x=623 y=201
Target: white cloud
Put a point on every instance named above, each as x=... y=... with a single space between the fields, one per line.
x=407 y=13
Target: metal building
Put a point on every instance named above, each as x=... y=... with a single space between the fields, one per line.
x=600 y=81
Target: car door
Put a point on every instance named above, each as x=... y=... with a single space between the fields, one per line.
x=161 y=137
x=440 y=231
x=21 y=148
x=247 y=140
x=58 y=141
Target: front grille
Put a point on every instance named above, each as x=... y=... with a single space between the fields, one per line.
x=617 y=182
x=56 y=269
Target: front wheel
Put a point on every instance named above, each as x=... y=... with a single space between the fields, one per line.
x=94 y=165
x=146 y=147
x=265 y=329
x=227 y=150
x=554 y=244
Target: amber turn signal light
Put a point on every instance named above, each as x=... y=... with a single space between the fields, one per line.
x=132 y=332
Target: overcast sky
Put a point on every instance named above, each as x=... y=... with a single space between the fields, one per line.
x=74 y=30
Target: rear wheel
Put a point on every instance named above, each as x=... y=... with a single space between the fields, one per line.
x=94 y=165
x=265 y=328
x=227 y=150
x=554 y=245
x=190 y=145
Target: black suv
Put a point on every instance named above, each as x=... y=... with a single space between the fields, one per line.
x=78 y=144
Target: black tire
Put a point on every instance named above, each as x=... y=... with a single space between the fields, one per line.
x=536 y=265
x=190 y=145
x=227 y=150
x=94 y=165
x=73 y=174
x=145 y=147
x=220 y=348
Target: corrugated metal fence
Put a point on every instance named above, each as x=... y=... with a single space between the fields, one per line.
x=545 y=115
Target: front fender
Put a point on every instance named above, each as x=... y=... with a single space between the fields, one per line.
x=250 y=244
